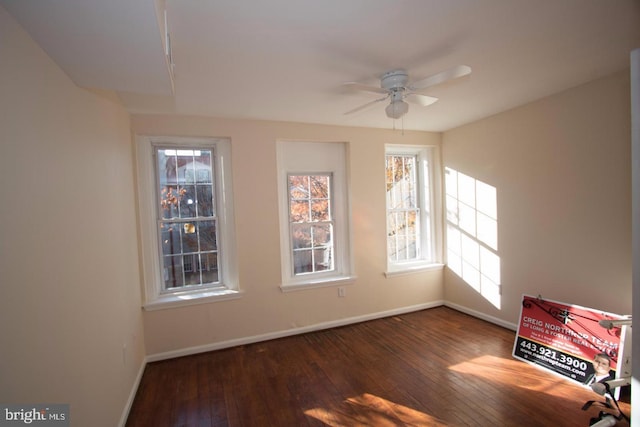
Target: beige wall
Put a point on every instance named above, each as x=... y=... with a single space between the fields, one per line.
x=264 y=309
x=70 y=321
x=562 y=170
x=69 y=269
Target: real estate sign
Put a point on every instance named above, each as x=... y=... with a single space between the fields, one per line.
x=569 y=340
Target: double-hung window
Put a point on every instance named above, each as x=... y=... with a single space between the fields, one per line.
x=412 y=210
x=311 y=223
x=187 y=220
x=187 y=217
x=314 y=214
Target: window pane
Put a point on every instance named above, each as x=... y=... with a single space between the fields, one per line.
x=187 y=201
x=411 y=222
x=167 y=168
x=299 y=211
x=191 y=269
x=186 y=170
x=298 y=187
x=172 y=272
x=189 y=238
x=169 y=200
x=301 y=236
x=170 y=239
x=401 y=181
x=207 y=236
x=209 y=267
x=392 y=249
x=302 y=262
x=190 y=175
x=205 y=171
x=411 y=248
x=322 y=259
x=204 y=200
x=320 y=210
x=321 y=234
x=319 y=186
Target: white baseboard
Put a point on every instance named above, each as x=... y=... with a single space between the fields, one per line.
x=132 y=394
x=294 y=331
x=482 y=316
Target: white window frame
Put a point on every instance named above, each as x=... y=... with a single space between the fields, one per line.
x=429 y=188
x=155 y=297
x=313 y=158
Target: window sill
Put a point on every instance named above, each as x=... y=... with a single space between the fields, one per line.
x=191 y=298
x=318 y=283
x=412 y=269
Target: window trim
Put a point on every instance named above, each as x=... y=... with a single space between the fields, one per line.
x=154 y=297
x=429 y=155
x=315 y=165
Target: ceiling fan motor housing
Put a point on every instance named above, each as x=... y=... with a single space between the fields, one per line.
x=393 y=80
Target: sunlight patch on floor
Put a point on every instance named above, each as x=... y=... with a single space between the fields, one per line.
x=370 y=410
x=509 y=372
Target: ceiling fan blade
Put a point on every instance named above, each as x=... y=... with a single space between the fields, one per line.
x=364 y=88
x=436 y=79
x=417 y=98
x=368 y=104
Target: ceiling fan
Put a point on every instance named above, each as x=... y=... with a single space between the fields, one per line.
x=395 y=86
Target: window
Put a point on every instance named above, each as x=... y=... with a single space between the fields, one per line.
x=186 y=213
x=187 y=219
x=311 y=223
x=413 y=240
x=314 y=218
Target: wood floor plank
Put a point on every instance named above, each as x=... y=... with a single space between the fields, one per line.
x=435 y=367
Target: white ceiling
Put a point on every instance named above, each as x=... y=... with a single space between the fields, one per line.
x=286 y=59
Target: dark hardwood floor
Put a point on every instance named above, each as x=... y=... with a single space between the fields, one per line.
x=436 y=367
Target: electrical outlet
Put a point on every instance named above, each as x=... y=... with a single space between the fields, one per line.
x=342 y=291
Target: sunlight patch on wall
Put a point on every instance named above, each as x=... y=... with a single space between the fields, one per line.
x=368 y=409
x=472 y=233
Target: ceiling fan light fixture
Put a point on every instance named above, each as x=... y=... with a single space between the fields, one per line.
x=397 y=109
x=395 y=87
